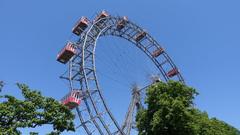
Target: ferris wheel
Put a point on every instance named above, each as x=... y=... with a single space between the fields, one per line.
x=86 y=96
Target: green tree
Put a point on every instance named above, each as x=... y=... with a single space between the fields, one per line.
x=35 y=110
x=170 y=111
x=203 y=125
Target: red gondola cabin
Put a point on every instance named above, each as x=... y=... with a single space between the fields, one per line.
x=172 y=72
x=80 y=26
x=66 y=53
x=157 y=52
x=103 y=14
x=121 y=24
x=140 y=36
x=72 y=100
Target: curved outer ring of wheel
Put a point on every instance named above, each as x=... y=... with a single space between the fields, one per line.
x=87 y=69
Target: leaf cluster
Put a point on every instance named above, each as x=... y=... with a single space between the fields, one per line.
x=170 y=111
x=35 y=110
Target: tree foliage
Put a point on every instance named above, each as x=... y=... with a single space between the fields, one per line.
x=35 y=110
x=170 y=111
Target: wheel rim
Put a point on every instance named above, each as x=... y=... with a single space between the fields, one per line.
x=82 y=72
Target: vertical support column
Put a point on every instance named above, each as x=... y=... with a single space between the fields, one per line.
x=1 y=85
x=135 y=103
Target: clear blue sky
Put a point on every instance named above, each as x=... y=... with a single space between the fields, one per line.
x=202 y=37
